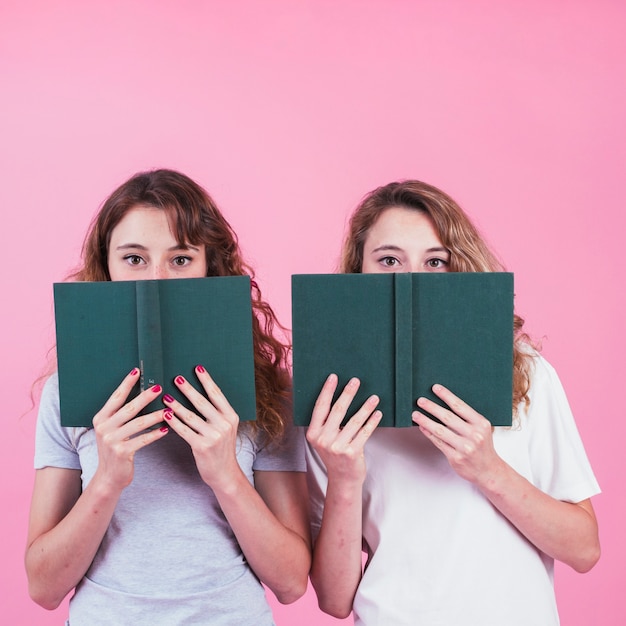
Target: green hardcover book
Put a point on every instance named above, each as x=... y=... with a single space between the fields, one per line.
x=402 y=333
x=164 y=327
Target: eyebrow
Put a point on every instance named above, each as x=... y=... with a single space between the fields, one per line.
x=385 y=247
x=138 y=246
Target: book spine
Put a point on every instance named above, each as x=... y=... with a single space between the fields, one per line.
x=149 y=340
x=403 y=300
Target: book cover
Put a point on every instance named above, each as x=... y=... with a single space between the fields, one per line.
x=164 y=327
x=400 y=334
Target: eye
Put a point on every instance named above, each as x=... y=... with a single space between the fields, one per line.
x=436 y=264
x=133 y=259
x=389 y=261
x=181 y=261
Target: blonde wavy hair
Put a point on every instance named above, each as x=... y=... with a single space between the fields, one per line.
x=468 y=252
x=196 y=220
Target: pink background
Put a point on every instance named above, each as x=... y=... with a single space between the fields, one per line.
x=288 y=112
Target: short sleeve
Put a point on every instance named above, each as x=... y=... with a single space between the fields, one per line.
x=54 y=445
x=558 y=458
x=286 y=454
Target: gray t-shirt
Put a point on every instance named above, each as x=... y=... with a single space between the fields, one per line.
x=169 y=555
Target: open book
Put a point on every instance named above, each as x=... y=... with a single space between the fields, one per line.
x=164 y=327
x=400 y=334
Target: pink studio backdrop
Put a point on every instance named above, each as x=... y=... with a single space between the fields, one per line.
x=288 y=112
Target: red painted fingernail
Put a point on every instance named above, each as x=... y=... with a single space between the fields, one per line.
x=134 y=371
x=164 y=429
x=200 y=369
x=180 y=380
x=168 y=398
x=167 y=414
x=156 y=389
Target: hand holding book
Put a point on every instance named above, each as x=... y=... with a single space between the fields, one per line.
x=461 y=433
x=341 y=448
x=210 y=429
x=119 y=435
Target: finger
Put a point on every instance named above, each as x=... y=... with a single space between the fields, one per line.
x=363 y=416
x=340 y=407
x=132 y=409
x=370 y=426
x=323 y=402
x=176 y=414
x=213 y=392
x=438 y=433
x=184 y=422
x=148 y=436
x=457 y=406
x=141 y=423
x=437 y=441
x=444 y=415
x=117 y=399
x=198 y=400
x=115 y=409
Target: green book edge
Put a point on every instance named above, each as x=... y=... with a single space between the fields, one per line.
x=204 y=321
x=462 y=332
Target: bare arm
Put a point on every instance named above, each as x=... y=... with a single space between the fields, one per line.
x=272 y=527
x=337 y=555
x=269 y=521
x=66 y=526
x=64 y=532
x=563 y=530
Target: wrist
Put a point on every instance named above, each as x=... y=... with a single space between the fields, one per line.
x=228 y=484
x=349 y=475
x=345 y=490
x=103 y=489
x=106 y=486
x=492 y=482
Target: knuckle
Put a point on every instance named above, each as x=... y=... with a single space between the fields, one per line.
x=206 y=445
x=140 y=422
x=118 y=395
x=482 y=431
x=456 y=405
x=98 y=426
x=321 y=443
x=335 y=448
x=443 y=416
x=108 y=439
x=212 y=388
x=128 y=411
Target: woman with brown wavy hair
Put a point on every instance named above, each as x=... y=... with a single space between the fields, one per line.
x=460 y=522
x=154 y=526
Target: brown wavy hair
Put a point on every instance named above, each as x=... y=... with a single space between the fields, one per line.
x=468 y=251
x=196 y=220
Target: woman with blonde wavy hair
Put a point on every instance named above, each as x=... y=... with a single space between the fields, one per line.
x=460 y=522
x=182 y=524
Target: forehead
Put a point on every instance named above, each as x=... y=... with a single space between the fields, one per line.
x=397 y=225
x=143 y=221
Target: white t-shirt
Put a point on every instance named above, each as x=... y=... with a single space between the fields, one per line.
x=439 y=553
x=169 y=555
